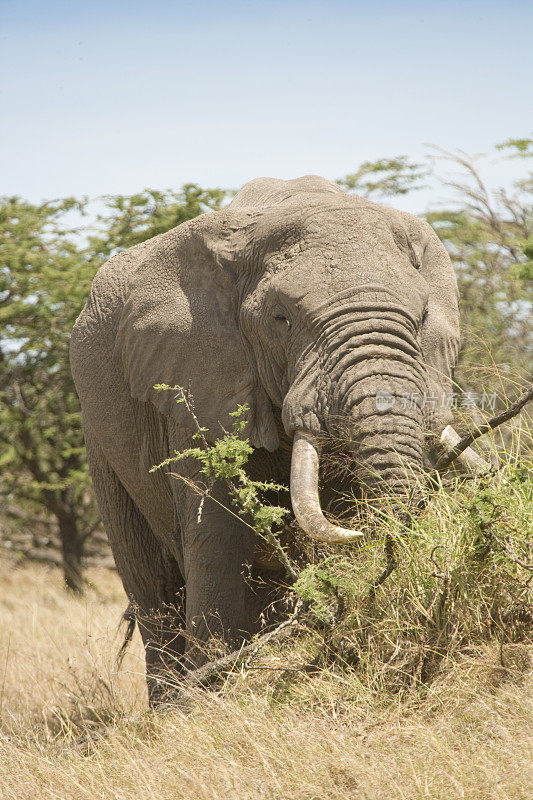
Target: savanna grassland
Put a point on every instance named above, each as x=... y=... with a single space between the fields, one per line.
x=421 y=689
x=418 y=688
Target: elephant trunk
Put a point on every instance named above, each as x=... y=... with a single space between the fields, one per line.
x=381 y=425
x=374 y=387
x=385 y=465
x=378 y=401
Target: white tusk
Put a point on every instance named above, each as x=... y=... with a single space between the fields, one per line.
x=304 y=493
x=468 y=458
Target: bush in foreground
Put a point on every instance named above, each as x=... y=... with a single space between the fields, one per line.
x=418 y=687
x=456 y=576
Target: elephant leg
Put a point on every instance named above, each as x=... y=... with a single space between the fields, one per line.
x=151 y=577
x=222 y=603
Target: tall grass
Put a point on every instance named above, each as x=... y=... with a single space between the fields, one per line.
x=418 y=688
x=462 y=578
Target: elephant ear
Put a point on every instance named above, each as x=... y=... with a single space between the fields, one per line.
x=179 y=327
x=440 y=337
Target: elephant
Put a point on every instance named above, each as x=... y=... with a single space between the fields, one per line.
x=321 y=312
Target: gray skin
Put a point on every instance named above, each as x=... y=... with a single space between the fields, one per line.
x=297 y=299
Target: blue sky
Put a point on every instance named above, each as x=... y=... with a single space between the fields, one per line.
x=111 y=97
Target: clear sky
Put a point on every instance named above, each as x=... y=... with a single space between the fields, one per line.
x=112 y=97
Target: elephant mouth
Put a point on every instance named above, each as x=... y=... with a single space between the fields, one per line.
x=304 y=493
x=305 y=497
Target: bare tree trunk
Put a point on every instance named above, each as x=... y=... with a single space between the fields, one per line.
x=72 y=551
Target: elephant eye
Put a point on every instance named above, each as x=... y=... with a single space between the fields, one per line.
x=281 y=316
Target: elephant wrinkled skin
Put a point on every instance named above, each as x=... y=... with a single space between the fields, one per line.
x=319 y=310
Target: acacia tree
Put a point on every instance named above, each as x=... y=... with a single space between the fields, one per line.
x=489 y=236
x=44 y=278
x=386 y=177
x=46 y=268
x=129 y=220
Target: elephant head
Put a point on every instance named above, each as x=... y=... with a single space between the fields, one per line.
x=339 y=312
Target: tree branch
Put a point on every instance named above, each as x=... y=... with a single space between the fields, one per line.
x=267 y=535
x=514 y=409
x=206 y=674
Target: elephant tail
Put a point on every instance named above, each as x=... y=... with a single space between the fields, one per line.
x=128 y=620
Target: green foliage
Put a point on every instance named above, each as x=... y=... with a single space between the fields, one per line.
x=524 y=272
x=127 y=221
x=320 y=584
x=385 y=177
x=520 y=148
x=226 y=459
x=488 y=237
x=44 y=280
x=462 y=580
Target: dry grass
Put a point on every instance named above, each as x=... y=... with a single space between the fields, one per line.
x=72 y=728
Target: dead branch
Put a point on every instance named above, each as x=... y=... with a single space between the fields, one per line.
x=205 y=675
x=510 y=412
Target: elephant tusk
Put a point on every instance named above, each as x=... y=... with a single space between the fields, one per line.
x=468 y=458
x=304 y=493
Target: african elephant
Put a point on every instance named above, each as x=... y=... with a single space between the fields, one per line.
x=319 y=310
